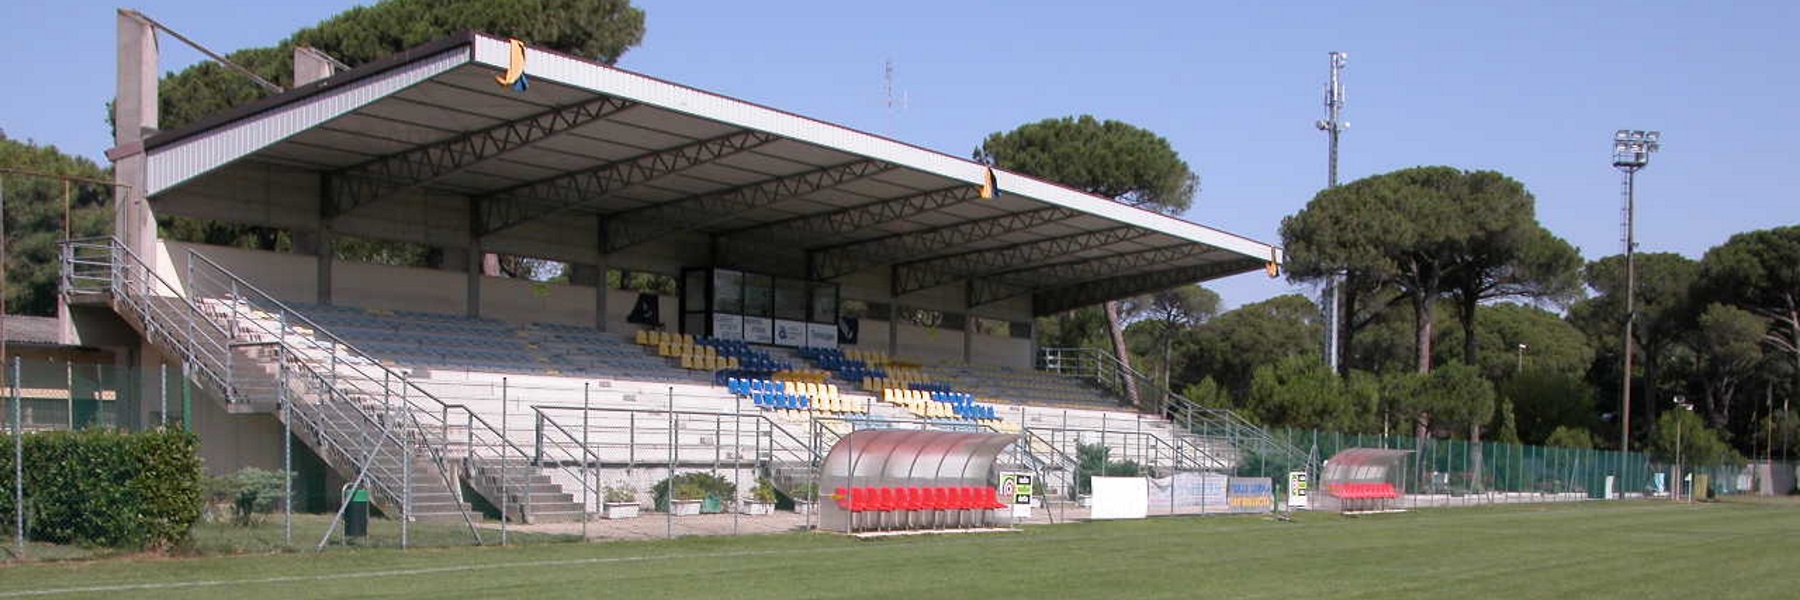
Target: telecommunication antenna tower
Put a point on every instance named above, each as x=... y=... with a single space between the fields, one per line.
x=1334 y=126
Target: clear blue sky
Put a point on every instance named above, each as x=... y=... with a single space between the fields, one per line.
x=1533 y=89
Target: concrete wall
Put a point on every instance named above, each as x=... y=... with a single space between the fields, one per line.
x=294 y=278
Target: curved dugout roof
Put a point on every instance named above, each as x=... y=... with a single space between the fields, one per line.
x=649 y=159
x=906 y=457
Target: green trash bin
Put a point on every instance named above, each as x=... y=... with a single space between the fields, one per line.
x=1702 y=489
x=356 y=514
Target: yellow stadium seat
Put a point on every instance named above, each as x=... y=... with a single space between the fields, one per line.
x=643 y=337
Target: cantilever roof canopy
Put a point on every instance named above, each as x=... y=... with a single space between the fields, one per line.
x=641 y=160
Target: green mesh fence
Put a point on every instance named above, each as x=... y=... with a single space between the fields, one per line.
x=57 y=394
x=1458 y=468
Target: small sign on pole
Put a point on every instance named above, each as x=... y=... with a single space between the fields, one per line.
x=1015 y=489
x=1296 y=495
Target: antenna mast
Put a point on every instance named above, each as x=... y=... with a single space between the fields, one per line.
x=1333 y=127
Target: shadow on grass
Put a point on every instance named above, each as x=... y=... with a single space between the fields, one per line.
x=268 y=534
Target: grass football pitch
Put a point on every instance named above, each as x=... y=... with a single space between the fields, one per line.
x=1740 y=549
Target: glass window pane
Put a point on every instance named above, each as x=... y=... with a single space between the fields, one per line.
x=728 y=291
x=758 y=290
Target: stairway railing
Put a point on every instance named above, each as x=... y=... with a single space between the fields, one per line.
x=332 y=367
x=1189 y=418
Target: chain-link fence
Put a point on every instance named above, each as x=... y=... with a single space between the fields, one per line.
x=1449 y=472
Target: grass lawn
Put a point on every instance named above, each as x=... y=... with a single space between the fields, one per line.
x=1589 y=550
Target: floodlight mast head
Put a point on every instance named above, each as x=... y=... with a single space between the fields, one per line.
x=1632 y=148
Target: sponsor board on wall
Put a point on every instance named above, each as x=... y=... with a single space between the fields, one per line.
x=728 y=327
x=1250 y=494
x=821 y=335
x=1189 y=492
x=790 y=333
x=759 y=330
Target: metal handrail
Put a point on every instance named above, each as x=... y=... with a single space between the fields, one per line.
x=1106 y=369
x=443 y=409
x=113 y=250
x=121 y=285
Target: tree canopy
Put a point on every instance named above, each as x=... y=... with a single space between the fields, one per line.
x=1229 y=347
x=1107 y=158
x=1429 y=232
x=34 y=219
x=1759 y=271
x=597 y=29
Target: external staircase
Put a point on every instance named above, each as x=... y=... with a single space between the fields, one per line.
x=255 y=355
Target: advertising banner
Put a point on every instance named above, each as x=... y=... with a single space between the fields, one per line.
x=790 y=333
x=821 y=335
x=728 y=327
x=1188 y=492
x=1250 y=494
x=759 y=330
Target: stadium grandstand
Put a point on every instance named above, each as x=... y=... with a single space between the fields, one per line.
x=826 y=281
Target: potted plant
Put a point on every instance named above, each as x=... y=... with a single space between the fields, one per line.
x=762 y=498
x=618 y=501
x=804 y=498
x=688 y=497
x=692 y=493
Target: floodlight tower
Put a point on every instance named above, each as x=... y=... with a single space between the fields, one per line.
x=1631 y=152
x=1333 y=127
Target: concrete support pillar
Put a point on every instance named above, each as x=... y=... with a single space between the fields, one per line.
x=134 y=115
x=968 y=339
x=893 y=348
x=1031 y=336
x=325 y=253
x=602 y=300
x=580 y=274
x=473 y=282
x=604 y=264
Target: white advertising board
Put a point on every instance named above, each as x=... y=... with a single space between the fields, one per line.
x=728 y=327
x=790 y=333
x=1120 y=498
x=759 y=330
x=821 y=335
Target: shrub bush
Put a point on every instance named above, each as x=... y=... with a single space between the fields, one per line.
x=693 y=486
x=243 y=495
x=107 y=488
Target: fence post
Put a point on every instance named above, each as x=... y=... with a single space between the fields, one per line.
x=187 y=396
x=406 y=489
x=669 y=490
x=287 y=446
x=601 y=501
x=162 y=387
x=505 y=485
x=69 y=384
x=18 y=419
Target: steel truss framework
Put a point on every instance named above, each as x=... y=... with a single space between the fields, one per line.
x=1049 y=302
x=845 y=221
x=547 y=197
x=633 y=227
x=837 y=261
x=372 y=181
x=932 y=272
x=1008 y=284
